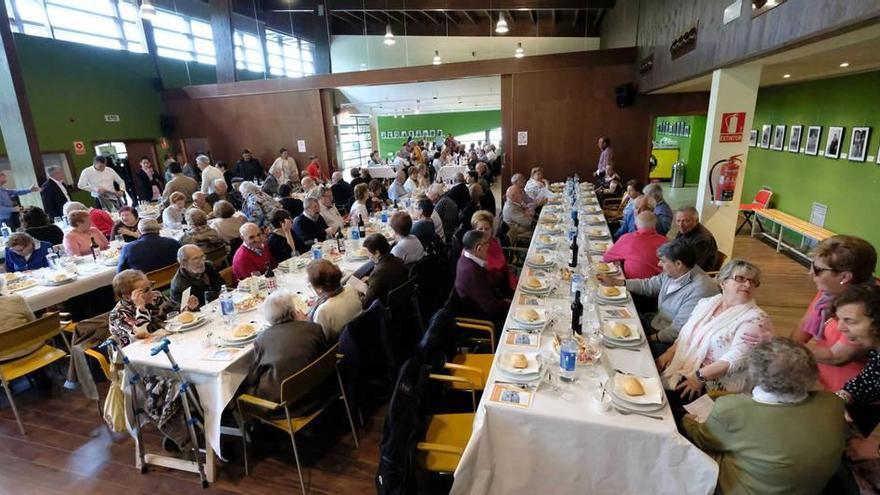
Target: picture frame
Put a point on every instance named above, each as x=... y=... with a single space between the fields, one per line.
x=766 y=129
x=753 y=138
x=858 y=144
x=778 y=138
x=834 y=142
x=794 y=138
x=814 y=135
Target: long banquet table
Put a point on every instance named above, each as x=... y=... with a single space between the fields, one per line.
x=563 y=442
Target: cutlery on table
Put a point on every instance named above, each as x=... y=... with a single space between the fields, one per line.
x=628 y=413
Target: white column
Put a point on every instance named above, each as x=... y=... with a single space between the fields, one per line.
x=734 y=90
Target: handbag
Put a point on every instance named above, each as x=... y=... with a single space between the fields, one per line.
x=114 y=404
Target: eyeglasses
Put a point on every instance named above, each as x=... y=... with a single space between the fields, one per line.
x=741 y=280
x=817 y=270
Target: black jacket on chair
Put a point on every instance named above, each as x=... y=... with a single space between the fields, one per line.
x=53 y=198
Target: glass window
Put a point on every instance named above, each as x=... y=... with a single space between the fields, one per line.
x=355 y=140
x=248 y=52
x=92 y=22
x=287 y=53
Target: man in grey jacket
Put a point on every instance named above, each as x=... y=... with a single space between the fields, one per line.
x=678 y=288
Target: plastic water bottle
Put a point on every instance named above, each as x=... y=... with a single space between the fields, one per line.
x=316 y=251
x=5 y=231
x=568 y=351
x=227 y=306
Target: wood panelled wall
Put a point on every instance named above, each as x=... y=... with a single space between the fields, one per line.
x=264 y=123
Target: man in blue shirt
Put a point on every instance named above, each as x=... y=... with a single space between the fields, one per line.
x=8 y=209
x=661 y=207
x=23 y=252
x=636 y=206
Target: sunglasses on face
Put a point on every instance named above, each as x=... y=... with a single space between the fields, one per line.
x=741 y=280
x=818 y=270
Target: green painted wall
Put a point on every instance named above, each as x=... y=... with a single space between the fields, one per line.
x=690 y=147
x=456 y=123
x=850 y=189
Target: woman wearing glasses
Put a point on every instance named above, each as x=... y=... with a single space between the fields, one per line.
x=711 y=348
x=838 y=263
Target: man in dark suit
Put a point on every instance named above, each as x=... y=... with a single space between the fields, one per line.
x=479 y=298
x=389 y=272
x=54 y=192
x=343 y=193
x=150 y=252
x=309 y=227
x=290 y=344
x=459 y=192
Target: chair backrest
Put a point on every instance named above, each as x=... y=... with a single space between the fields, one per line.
x=162 y=277
x=234 y=244
x=29 y=335
x=228 y=279
x=217 y=257
x=720 y=259
x=763 y=197
x=297 y=385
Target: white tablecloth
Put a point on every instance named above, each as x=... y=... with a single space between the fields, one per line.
x=90 y=277
x=447 y=173
x=383 y=172
x=566 y=444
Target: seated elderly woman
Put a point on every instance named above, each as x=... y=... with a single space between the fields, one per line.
x=359 y=213
x=35 y=222
x=782 y=438
x=225 y=221
x=408 y=247
x=199 y=233
x=711 y=348
x=140 y=310
x=336 y=305
x=172 y=216
x=23 y=252
x=838 y=263
x=500 y=274
x=288 y=345
x=127 y=225
x=78 y=240
x=424 y=228
x=101 y=220
x=257 y=206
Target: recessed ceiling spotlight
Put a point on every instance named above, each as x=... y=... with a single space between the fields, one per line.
x=845 y=64
x=437 y=60
x=786 y=76
x=389 y=36
x=501 y=27
x=519 y=53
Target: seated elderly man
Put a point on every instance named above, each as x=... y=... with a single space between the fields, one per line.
x=692 y=232
x=445 y=209
x=310 y=227
x=289 y=344
x=328 y=210
x=536 y=187
x=517 y=216
x=253 y=255
x=389 y=271
x=23 y=253
x=222 y=193
x=479 y=298
x=199 y=201
x=459 y=191
x=628 y=224
x=150 y=251
x=336 y=305
x=199 y=233
x=661 y=207
x=343 y=192
x=783 y=437
x=407 y=247
x=308 y=184
x=196 y=274
x=397 y=191
x=637 y=251
x=679 y=288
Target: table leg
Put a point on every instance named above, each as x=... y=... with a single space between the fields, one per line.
x=754 y=221
x=210 y=463
x=779 y=240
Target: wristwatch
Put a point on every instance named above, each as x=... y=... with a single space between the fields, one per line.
x=699 y=375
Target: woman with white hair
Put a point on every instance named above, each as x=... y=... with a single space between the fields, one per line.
x=289 y=344
x=782 y=438
x=258 y=206
x=710 y=351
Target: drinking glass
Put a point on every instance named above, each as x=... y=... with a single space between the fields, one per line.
x=594 y=353
x=171 y=321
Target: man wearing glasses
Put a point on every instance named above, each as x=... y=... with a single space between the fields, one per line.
x=478 y=298
x=195 y=274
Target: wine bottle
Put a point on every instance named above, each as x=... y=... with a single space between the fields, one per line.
x=574 y=251
x=577 y=310
x=95 y=250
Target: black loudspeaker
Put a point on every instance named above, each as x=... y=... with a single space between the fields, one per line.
x=168 y=124
x=625 y=94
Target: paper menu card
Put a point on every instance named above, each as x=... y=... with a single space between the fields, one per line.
x=511 y=395
x=524 y=339
x=615 y=314
x=701 y=408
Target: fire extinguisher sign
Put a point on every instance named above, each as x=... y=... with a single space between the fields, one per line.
x=732 y=125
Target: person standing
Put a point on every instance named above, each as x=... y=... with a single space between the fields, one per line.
x=248 y=167
x=606 y=155
x=210 y=174
x=149 y=184
x=286 y=165
x=314 y=169
x=8 y=209
x=54 y=192
x=179 y=183
x=98 y=179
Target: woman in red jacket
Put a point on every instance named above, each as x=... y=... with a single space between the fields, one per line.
x=496 y=263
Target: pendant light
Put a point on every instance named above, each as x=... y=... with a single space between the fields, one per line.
x=147 y=10
x=389 y=36
x=501 y=27
x=520 y=53
x=437 y=59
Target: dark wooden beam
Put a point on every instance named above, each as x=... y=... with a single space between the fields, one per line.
x=16 y=120
x=577 y=15
x=532 y=17
x=408 y=16
x=553 y=16
x=466 y=14
x=357 y=16
x=375 y=17
x=453 y=5
x=342 y=17
x=597 y=24
x=429 y=16
x=451 y=17
x=510 y=17
x=224 y=46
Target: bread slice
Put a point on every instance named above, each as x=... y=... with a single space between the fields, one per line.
x=632 y=386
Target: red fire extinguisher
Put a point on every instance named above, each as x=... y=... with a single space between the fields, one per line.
x=726 y=181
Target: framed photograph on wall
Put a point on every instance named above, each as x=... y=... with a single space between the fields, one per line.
x=794 y=138
x=814 y=132
x=835 y=141
x=753 y=138
x=765 y=135
x=858 y=144
x=778 y=138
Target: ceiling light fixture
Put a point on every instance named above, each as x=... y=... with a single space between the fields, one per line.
x=148 y=11
x=501 y=27
x=520 y=53
x=437 y=59
x=786 y=76
x=845 y=64
x=389 y=36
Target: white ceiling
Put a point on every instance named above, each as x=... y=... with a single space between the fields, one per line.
x=859 y=48
x=353 y=53
x=454 y=95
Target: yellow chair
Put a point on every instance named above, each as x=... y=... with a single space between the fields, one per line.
x=226 y=275
x=480 y=326
x=445 y=439
x=23 y=338
x=294 y=388
x=162 y=277
x=217 y=257
x=472 y=370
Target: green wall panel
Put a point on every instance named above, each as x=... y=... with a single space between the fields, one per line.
x=456 y=123
x=850 y=189
x=690 y=147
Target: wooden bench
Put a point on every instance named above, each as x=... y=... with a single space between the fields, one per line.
x=793 y=224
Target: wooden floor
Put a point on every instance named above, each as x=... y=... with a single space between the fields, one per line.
x=68 y=450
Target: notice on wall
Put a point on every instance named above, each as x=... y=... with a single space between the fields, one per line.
x=818 y=213
x=79 y=147
x=112 y=117
x=301 y=145
x=522 y=138
x=732 y=125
